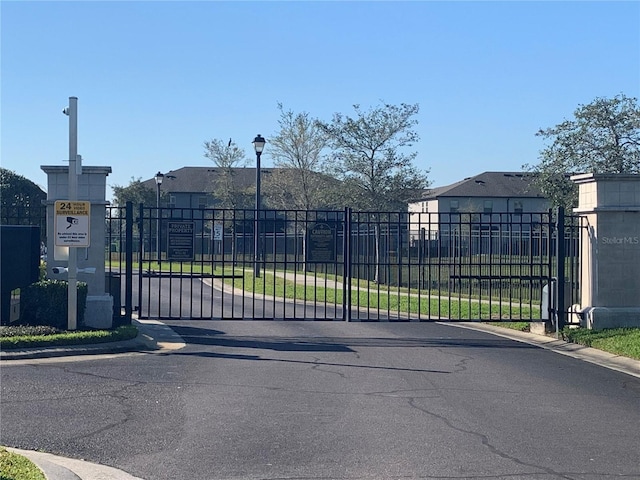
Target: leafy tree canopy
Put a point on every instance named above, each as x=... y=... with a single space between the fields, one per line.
x=369 y=156
x=18 y=191
x=136 y=192
x=227 y=156
x=297 y=150
x=603 y=137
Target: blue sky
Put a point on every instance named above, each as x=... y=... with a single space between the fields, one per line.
x=154 y=80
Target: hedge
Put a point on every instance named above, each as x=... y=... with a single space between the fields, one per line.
x=45 y=303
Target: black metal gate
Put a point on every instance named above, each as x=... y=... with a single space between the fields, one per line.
x=345 y=265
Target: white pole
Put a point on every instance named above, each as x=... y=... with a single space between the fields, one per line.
x=72 y=297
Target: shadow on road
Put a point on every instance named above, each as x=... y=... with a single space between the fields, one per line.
x=204 y=336
x=314 y=363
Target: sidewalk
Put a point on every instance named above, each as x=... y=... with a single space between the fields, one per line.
x=156 y=337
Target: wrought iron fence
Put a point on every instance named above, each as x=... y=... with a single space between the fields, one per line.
x=20 y=215
x=355 y=265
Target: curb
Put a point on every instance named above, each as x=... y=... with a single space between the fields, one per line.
x=63 y=468
x=618 y=363
x=153 y=336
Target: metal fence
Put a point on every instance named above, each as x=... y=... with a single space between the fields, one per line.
x=346 y=265
x=20 y=215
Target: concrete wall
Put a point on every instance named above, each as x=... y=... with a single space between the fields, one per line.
x=610 y=252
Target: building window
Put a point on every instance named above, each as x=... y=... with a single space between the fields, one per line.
x=454 y=206
x=202 y=202
x=488 y=206
x=425 y=207
x=172 y=201
x=517 y=207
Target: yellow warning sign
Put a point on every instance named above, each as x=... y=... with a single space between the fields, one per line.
x=72 y=223
x=66 y=207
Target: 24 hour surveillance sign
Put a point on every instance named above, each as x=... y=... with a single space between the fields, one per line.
x=72 y=223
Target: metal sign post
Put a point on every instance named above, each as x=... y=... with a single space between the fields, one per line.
x=72 y=290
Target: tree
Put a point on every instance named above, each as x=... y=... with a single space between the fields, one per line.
x=297 y=184
x=21 y=201
x=227 y=156
x=18 y=191
x=136 y=192
x=369 y=158
x=297 y=150
x=603 y=137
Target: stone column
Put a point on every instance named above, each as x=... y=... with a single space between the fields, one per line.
x=91 y=187
x=610 y=250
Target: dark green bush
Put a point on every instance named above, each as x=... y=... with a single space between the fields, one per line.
x=45 y=303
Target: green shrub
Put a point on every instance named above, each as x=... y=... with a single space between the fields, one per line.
x=43 y=270
x=26 y=330
x=77 y=337
x=45 y=303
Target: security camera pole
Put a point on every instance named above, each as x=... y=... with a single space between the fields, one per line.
x=72 y=295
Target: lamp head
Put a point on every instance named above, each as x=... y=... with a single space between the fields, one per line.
x=159 y=178
x=258 y=143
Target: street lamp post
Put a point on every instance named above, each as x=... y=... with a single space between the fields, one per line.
x=159 y=178
x=258 y=145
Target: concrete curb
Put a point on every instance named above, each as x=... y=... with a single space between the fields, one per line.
x=580 y=352
x=62 y=468
x=152 y=336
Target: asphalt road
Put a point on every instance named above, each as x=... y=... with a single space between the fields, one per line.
x=330 y=400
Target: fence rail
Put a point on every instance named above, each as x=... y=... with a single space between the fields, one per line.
x=353 y=265
x=21 y=215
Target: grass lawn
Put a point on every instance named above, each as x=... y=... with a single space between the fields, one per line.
x=17 y=467
x=620 y=341
x=13 y=337
x=385 y=298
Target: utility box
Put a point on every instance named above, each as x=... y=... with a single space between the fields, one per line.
x=20 y=266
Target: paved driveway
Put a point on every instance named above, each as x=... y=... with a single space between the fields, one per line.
x=330 y=400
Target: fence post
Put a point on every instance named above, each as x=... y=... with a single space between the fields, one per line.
x=346 y=284
x=128 y=280
x=140 y=221
x=560 y=269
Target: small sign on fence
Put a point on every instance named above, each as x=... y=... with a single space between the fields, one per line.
x=181 y=241
x=321 y=243
x=217 y=231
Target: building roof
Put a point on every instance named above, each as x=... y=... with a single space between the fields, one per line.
x=488 y=184
x=201 y=179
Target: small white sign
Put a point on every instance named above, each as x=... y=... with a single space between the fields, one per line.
x=217 y=231
x=72 y=223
